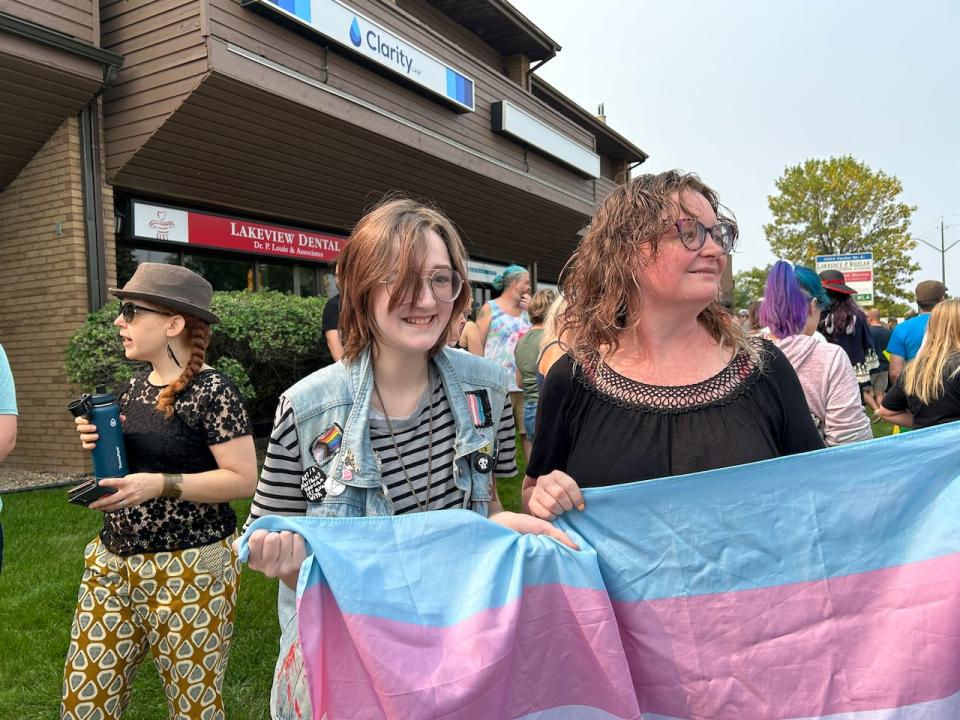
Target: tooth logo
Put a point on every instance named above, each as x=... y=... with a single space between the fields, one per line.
x=355 y=33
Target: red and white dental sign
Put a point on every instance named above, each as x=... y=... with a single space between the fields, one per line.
x=167 y=224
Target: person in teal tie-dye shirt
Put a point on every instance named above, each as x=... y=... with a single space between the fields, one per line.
x=502 y=322
x=8 y=420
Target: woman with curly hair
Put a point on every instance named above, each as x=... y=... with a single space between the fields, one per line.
x=928 y=391
x=660 y=380
x=162 y=575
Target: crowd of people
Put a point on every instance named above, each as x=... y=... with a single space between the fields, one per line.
x=636 y=371
x=812 y=318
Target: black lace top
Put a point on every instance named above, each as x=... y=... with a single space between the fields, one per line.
x=209 y=411
x=602 y=428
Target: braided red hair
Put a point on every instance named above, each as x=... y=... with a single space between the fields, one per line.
x=198 y=332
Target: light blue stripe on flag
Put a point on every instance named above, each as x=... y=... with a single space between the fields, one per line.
x=487 y=562
x=841 y=511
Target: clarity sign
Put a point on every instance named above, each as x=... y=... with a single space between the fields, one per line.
x=351 y=30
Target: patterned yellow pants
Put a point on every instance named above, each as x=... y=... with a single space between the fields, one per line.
x=179 y=605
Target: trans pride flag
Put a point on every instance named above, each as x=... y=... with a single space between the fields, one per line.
x=824 y=585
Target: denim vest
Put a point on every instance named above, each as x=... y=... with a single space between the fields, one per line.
x=340 y=395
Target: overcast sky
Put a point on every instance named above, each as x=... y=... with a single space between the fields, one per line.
x=739 y=89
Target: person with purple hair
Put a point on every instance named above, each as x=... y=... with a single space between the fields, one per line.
x=791 y=307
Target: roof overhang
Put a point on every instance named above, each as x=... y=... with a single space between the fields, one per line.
x=45 y=77
x=501 y=26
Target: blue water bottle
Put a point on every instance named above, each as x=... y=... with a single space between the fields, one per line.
x=102 y=410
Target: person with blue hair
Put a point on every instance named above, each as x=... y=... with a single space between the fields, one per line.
x=791 y=307
x=502 y=322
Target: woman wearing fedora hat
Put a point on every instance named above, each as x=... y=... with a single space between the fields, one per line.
x=162 y=574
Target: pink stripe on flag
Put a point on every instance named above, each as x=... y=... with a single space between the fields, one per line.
x=869 y=641
x=533 y=654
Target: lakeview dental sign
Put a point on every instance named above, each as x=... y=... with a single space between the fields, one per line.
x=351 y=30
x=169 y=224
x=517 y=124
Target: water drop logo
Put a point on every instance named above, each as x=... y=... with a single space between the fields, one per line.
x=355 y=33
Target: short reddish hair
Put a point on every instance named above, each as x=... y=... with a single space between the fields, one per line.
x=391 y=238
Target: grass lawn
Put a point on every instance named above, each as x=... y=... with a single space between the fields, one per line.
x=882 y=429
x=44 y=538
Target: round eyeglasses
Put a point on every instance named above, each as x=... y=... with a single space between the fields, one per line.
x=444 y=284
x=693 y=234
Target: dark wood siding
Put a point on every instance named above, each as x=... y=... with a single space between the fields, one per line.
x=165 y=58
x=71 y=17
x=604 y=188
x=454 y=31
x=241 y=27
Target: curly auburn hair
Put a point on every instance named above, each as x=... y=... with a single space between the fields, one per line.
x=600 y=285
x=391 y=239
x=198 y=334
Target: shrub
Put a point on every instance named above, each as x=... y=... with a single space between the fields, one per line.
x=264 y=343
x=95 y=353
x=276 y=338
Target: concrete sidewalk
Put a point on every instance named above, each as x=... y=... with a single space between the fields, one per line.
x=16 y=480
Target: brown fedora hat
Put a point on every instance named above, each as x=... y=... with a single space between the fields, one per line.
x=172 y=286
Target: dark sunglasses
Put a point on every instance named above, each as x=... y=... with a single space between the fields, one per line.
x=693 y=234
x=129 y=311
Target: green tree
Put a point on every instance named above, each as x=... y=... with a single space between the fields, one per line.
x=748 y=285
x=840 y=205
x=889 y=307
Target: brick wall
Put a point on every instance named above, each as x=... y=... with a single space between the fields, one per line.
x=43 y=296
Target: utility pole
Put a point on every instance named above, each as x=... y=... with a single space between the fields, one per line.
x=943 y=249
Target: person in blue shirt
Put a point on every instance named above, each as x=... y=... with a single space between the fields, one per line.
x=907 y=337
x=8 y=420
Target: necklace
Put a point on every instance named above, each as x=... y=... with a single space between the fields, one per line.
x=396 y=447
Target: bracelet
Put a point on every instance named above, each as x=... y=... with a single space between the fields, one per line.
x=171 y=485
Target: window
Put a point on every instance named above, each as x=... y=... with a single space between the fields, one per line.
x=234 y=272
x=274 y=276
x=128 y=258
x=305 y=280
x=224 y=273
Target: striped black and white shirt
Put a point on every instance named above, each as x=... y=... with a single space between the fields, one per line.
x=279 y=491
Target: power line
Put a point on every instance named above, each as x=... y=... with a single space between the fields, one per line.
x=942 y=249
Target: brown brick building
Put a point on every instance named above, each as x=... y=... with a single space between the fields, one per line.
x=244 y=138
